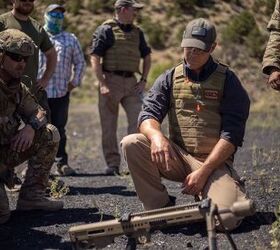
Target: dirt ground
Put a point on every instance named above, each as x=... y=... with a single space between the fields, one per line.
x=94 y=196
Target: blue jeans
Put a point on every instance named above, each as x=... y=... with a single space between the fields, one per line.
x=59 y=115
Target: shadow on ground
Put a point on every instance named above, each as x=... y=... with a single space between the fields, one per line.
x=115 y=190
x=31 y=234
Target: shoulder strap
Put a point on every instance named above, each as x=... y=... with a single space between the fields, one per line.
x=178 y=72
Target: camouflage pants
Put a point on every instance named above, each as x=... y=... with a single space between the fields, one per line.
x=40 y=158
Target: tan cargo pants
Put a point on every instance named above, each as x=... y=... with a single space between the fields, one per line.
x=122 y=91
x=222 y=187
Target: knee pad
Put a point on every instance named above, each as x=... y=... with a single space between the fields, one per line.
x=54 y=132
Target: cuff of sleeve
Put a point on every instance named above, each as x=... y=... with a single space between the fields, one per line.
x=268 y=68
x=233 y=141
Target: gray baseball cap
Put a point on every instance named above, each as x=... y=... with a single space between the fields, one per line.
x=52 y=7
x=128 y=3
x=199 y=33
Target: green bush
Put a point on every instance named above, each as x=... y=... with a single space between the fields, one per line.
x=255 y=42
x=155 y=32
x=73 y=6
x=243 y=30
x=269 y=7
x=267 y=4
x=237 y=2
x=239 y=28
x=156 y=70
x=99 y=6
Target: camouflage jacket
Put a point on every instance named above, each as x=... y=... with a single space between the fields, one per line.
x=14 y=107
x=271 y=58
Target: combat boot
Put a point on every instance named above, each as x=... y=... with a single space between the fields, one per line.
x=4 y=205
x=38 y=202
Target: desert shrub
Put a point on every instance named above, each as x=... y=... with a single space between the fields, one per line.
x=237 y=2
x=73 y=6
x=180 y=7
x=3 y=4
x=267 y=4
x=99 y=6
x=255 y=42
x=155 y=32
x=240 y=26
x=244 y=30
x=156 y=70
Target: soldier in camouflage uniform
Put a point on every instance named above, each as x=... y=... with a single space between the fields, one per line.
x=271 y=58
x=207 y=109
x=24 y=132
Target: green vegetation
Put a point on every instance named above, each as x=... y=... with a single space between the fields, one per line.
x=99 y=6
x=155 y=32
x=267 y=5
x=243 y=30
x=3 y=4
x=156 y=70
x=58 y=189
x=73 y=6
x=237 y=2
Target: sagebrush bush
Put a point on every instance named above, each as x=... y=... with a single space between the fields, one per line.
x=156 y=70
x=99 y=6
x=240 y=26
x=155 y=32
x=73 y=6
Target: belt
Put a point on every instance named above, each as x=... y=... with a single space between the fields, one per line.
x=121 y=73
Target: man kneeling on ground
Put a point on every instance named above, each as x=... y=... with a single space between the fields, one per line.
x=37 y=141
x=207 y=109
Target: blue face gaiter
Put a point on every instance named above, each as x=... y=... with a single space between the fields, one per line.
x=53 y=22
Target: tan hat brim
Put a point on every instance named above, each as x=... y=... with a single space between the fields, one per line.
x=195 y=43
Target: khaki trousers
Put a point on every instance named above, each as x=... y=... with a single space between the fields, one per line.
x=222 y=187
x=122 y=91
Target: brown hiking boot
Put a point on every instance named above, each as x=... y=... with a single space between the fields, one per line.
x=39 y=204
x=4 y=205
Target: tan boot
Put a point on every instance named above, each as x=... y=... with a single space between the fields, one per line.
x=4 y=205
x=39 y=204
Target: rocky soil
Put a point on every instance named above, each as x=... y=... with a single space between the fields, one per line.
x=93 y=196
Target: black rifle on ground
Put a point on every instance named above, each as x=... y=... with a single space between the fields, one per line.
x=137 y=226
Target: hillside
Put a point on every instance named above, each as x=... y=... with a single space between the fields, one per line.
x=242 y=37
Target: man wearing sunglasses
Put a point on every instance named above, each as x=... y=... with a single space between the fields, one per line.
x=67 y=76
x=24 y=131
x=19 y=18
x=207 y=109
x=271 y=58
x=117 y=49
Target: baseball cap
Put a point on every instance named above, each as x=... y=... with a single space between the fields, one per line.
x=16 y=42
x=128 y=3
x=52 y=7
x=199 y=33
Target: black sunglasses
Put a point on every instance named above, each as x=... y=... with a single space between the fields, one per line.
x=31 y=1
x=17 y=57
